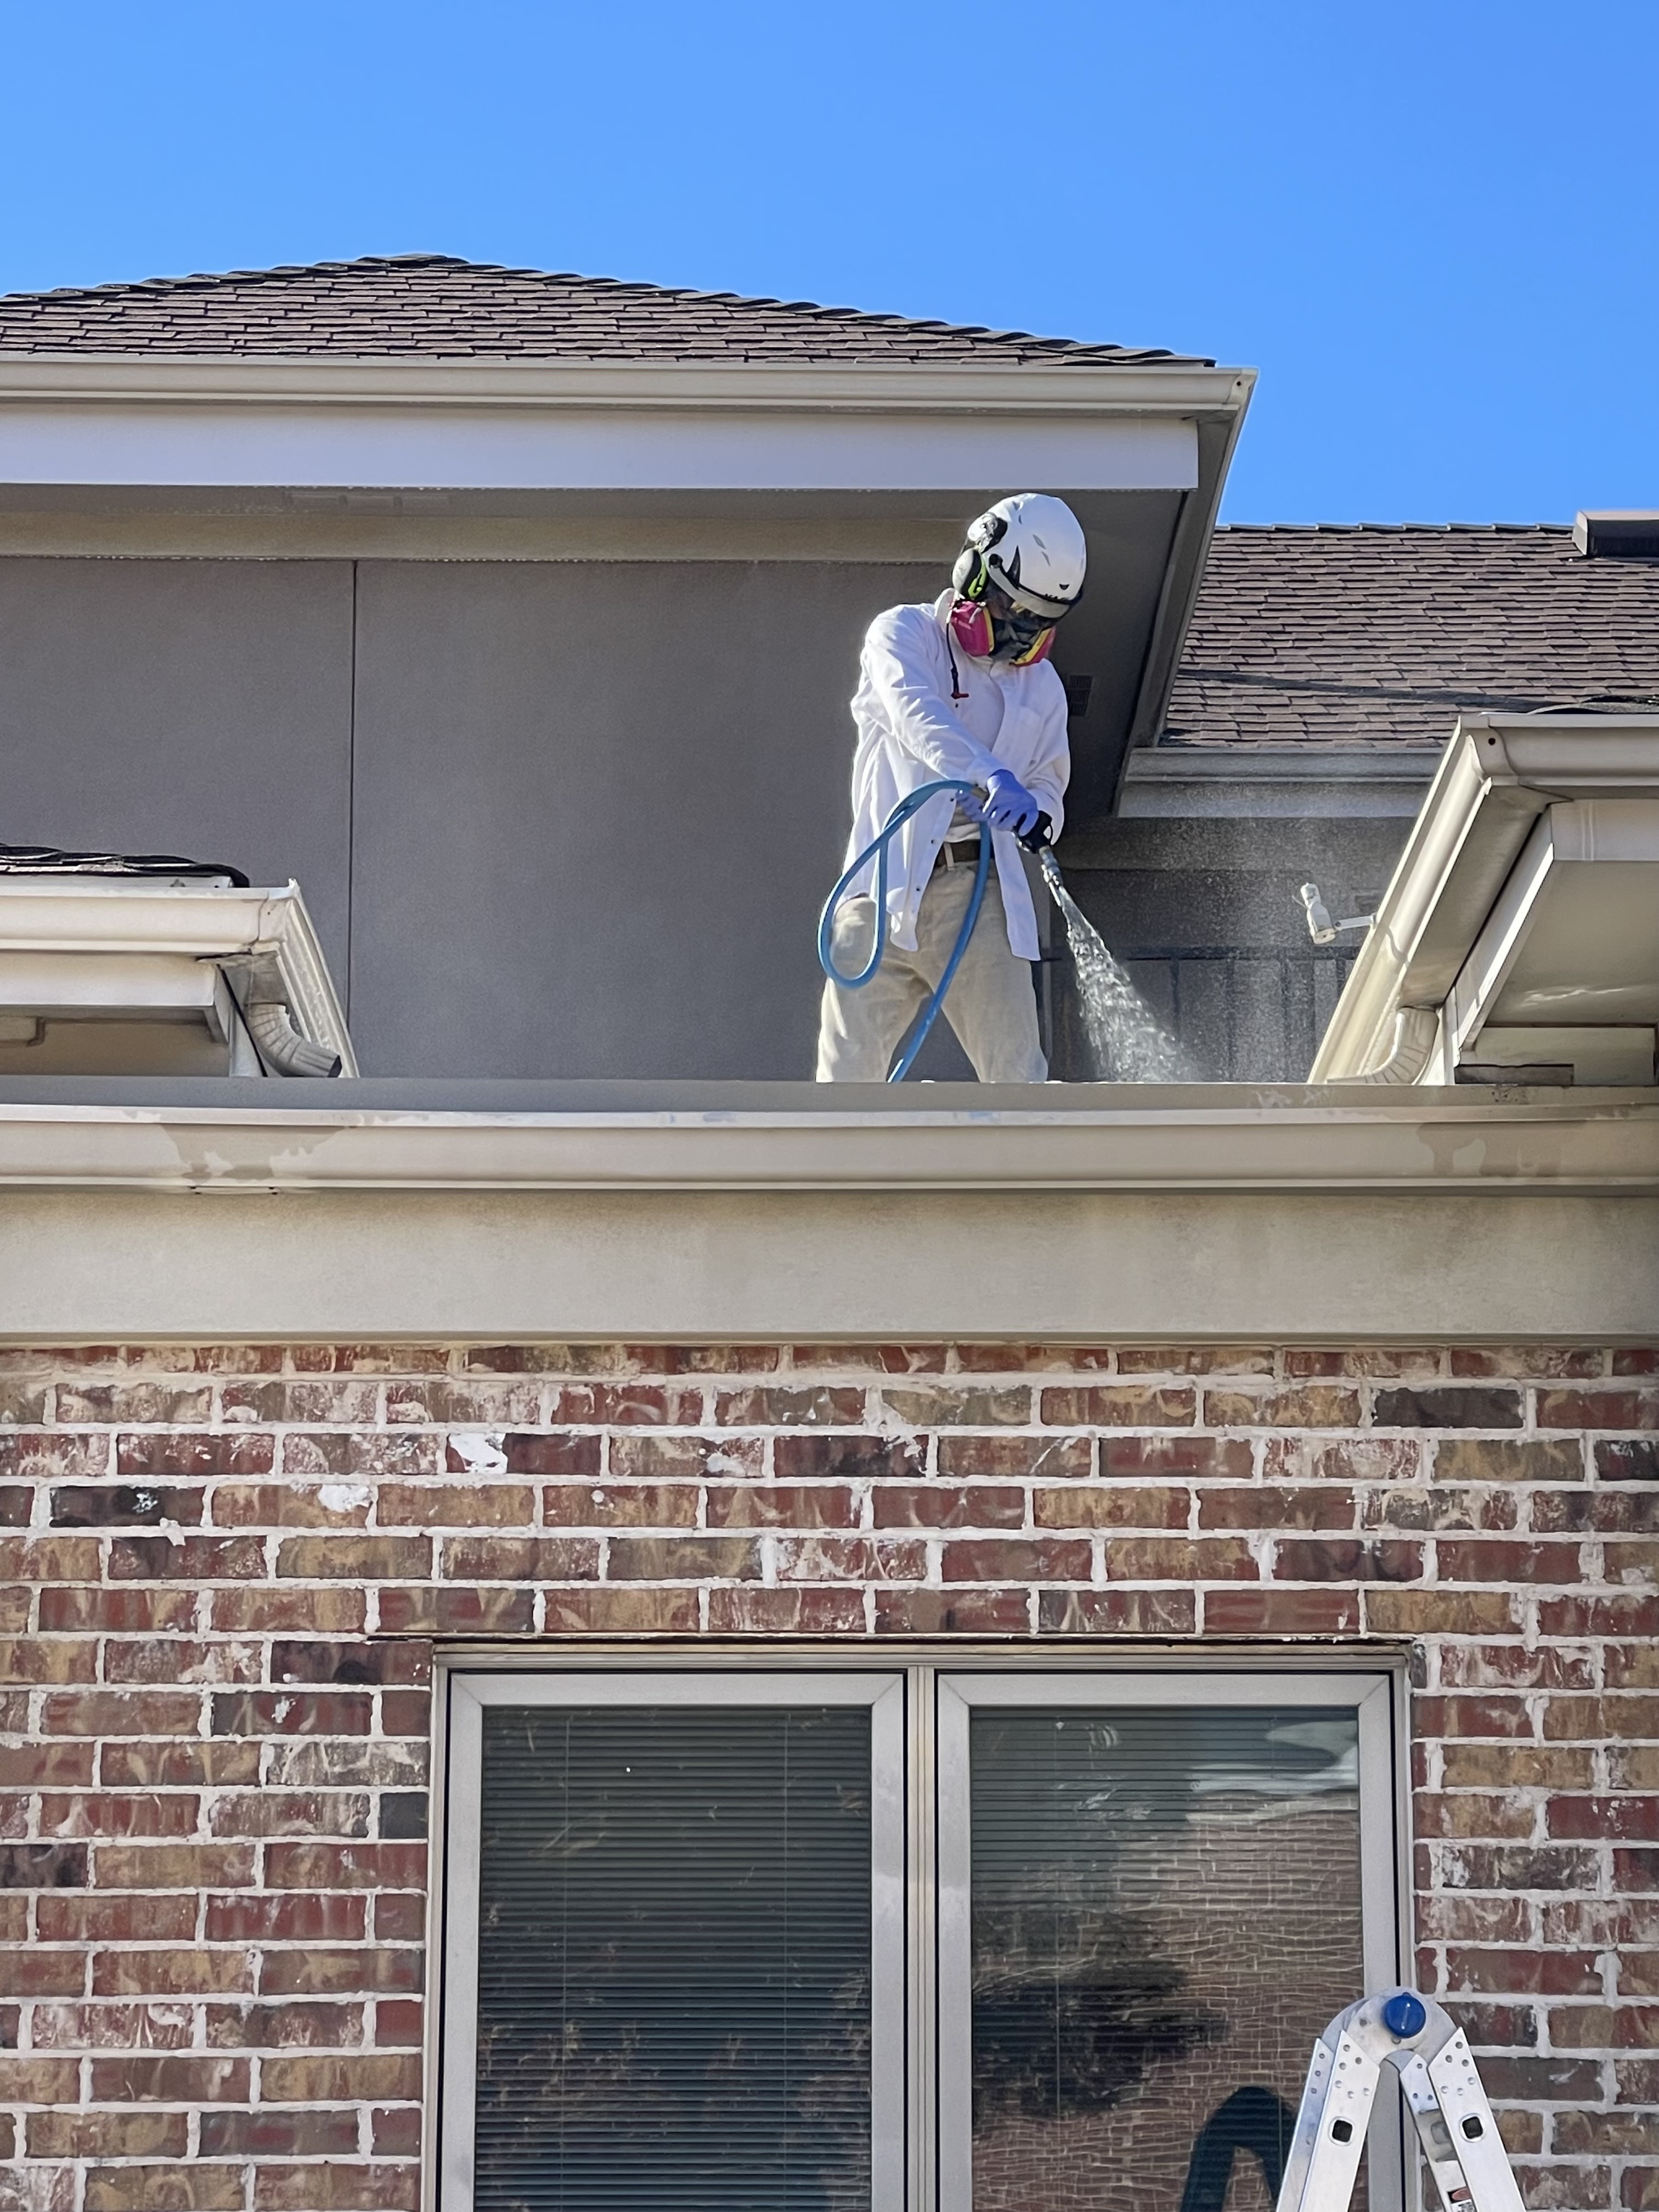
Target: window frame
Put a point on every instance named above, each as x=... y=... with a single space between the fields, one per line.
x=919 y=1700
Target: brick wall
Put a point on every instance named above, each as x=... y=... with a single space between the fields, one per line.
x=223 y=1568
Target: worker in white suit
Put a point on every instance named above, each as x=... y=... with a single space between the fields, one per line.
x=962 y=688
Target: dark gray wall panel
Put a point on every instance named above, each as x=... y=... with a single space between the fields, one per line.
x=598 y=808
x=194 y=706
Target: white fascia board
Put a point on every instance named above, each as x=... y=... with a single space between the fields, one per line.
x=456 y=426
x=595 y=449
x=1251 y=782
x=1242 y=1139
x=163 y=919
x=1497 y=775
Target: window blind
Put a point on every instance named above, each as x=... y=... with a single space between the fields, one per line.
x=674 y=2006
x=1165 y=1912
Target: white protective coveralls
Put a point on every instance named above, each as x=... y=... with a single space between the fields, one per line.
x=910 y=732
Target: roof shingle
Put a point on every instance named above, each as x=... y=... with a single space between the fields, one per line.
x=1378 y=634
x=431 y=306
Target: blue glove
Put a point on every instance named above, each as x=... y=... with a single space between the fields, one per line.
x=1009 y=804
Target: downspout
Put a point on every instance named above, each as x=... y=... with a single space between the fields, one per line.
x=1416 y=1030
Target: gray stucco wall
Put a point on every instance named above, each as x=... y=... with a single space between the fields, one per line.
x=576 y=818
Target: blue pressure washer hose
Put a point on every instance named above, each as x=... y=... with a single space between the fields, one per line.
x=1033 y=840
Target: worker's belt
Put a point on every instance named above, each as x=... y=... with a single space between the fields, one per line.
x=957 y=853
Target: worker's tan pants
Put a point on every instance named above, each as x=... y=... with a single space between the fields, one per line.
x=990 y=1004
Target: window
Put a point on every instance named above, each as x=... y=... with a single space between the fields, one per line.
x=923 y=1939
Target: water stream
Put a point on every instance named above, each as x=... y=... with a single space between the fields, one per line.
x=1127 y=1041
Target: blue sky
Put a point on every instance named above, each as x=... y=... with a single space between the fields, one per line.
x=1433 y=228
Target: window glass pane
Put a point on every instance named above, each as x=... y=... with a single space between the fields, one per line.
x=674 y=1961
x=1166 y=1911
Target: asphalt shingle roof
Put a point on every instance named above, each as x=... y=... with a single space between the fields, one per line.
x=1378 y=634
x=430 y=305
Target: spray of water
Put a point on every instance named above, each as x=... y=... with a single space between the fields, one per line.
x=1127 y=1041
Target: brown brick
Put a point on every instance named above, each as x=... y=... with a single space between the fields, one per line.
x=120 y=1813
x=1332 y=1559
x=336 y=2188
x=1116 y=1611
x=1278 y=1611
x=637 y=1455
x=35 y=1973
x=129 y=2134
x=177 y=1659
x=455 y=1506
x=345 y=1866
x=125 y=1505
x=1119 y=1406
x=1442 y=1918
x=1619 y=1510
x=1628 y=1459
x=835 y=1558
x=1015 y=1558
x=858 y=1459
x=340 y=2078
x=902 y=1612
x=1497 y=1459
x=172 y=1866
x=1431 y=1507
x=1196 y=1360
x=461 y=1403
x=311 y=2027
x=286 y=1916
x=863 y=1358
x=39 y=2082
x=1632 y=1765
x=767 y=1406
x=1599 y=1409
x=1622 y=1613
x=1512 y=1666
x=1493 y=1817
x=522 y=1558
x=1051 y=1458
x=1516 y=1766
x=178 y=1764
x=290 y=1812
x=277 y=2134
x=1111 y=1505
x=193 y=1559
x=947 y=1506
x=543 y=1454
x=46 y=1766
x=782 y=1505
x=368 y=1358
x=47 y=1659
x=1309 y=1505
x=1166 y=1457
x=633 y=1405
x=622 y=1504
x=353 y=1454
x=355 y=1559
x=50 y=1558
x=1625 y=1819
x=608 y=1611
x=292 y=1504
x=106 y=1402
x=328 y=1404
x=684 y=1559
x=315 y=1972
x=363 y=1660
x=1494 y=1559
x=309 y=1712
x=194 y=2187
x=1609 y=2135
x=170 y=1973
x=1311 y=1406
x=39 y=1455
x=1346 y=1459
x=1179 y=1558
x=169 y=2078
x=1466 y=1406
x=940 y=1406
x=121 y=1712
x=747 y=1610
x=1517 y=1866
x=205 y=1452
x=410 y=1609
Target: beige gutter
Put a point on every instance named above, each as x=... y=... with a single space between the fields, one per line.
x=1215 y=1138
x=171 y=380
x=1497 y=775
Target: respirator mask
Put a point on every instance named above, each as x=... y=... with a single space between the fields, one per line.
x=992 y=617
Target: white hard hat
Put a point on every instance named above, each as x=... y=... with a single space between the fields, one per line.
x=1032 y=546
